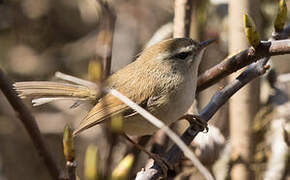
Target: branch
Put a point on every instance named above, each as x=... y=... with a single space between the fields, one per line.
x=244 y=58
x=29 y=123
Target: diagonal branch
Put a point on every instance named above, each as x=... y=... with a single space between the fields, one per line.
x=244 y=58
x=30 y=125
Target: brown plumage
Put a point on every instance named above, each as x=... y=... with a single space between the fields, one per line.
x=151 y=81
x=162 y=80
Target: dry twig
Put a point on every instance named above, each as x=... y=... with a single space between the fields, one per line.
x=240 y=60
x=29 y=123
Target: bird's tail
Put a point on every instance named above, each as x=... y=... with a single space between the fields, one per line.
x=43 y=92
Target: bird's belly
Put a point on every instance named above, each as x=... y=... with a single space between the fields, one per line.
x=169 y=113
x=178 y=105
x=138 y=126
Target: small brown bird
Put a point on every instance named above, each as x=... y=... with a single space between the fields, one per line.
x=162 y=80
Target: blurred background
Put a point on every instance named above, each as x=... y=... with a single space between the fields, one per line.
x=39 y=38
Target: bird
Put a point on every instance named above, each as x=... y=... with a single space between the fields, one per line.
x=162 y=80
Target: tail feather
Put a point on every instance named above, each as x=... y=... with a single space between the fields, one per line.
x=41 y=101
x=46 y=91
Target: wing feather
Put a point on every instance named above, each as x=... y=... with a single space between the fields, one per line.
x=132 y=86
x=107 y=107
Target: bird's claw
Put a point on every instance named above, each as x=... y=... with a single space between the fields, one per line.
x=197 y=120
x=162 y=162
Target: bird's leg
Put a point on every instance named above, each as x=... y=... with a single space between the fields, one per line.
x=162 y=162
x=196 y=119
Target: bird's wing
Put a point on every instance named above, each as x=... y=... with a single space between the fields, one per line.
x=133 y=87
x=108 y=106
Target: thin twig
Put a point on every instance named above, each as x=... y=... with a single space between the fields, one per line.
x=71 y=169
x=142 y=141
x=75 y=80
x=29 y=123
x=108 y=33
x=109 y=28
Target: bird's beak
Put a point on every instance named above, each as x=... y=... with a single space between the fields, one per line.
x=204 y=44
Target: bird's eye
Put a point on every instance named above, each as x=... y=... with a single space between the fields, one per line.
x=182 y=55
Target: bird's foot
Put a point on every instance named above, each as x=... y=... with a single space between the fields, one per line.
x=196 y=120
x=162 y=162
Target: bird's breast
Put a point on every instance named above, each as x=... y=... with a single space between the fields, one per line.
x=179 y=101
x=172 y=103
